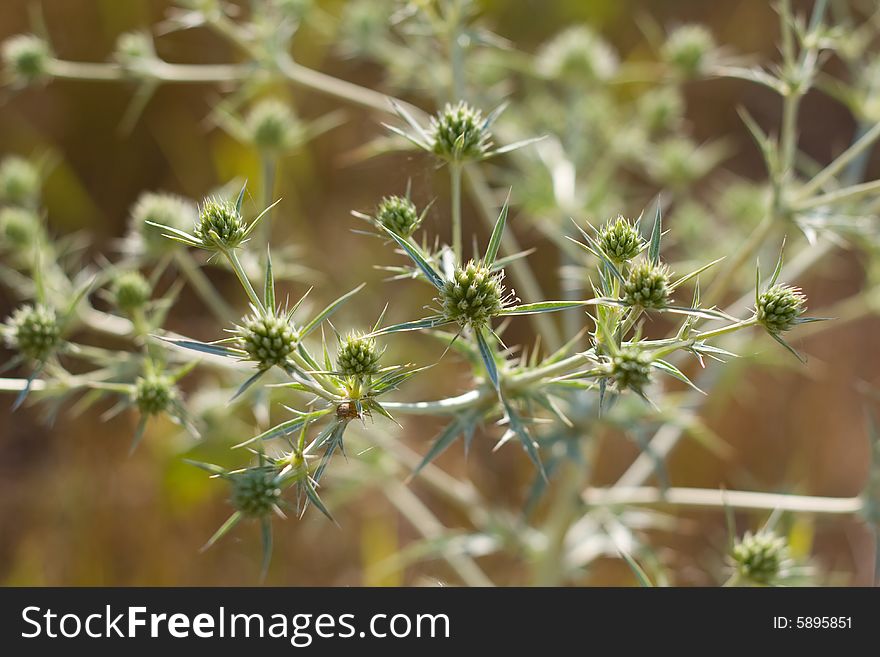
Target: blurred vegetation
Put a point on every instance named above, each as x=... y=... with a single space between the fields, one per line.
x=75 y=509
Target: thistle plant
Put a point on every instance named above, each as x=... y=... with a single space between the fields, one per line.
x=643 y=250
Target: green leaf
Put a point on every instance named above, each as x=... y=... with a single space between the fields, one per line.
x=778 y=269
x=443 y=441
x=247 y=384
x=231 y=522
x=415 y=325
x=412 y=251
x=269 y=285
x=674 y=372
x=788 y=347
x=329 y=310
x=514 y=146
x=637 y=570
x=516 y=425
x=240 y=200
x=312 y=494
x=541 y=307
x=497 y=233
x=138 y=434
x=203 y=347
x=488 y=357
x=252 y=226
x=656 y=234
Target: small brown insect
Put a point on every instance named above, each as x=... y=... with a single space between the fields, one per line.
x=347 y=410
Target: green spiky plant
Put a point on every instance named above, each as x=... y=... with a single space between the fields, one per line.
x=564 y=154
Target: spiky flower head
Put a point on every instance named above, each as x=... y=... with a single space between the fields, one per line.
x=220 y=224
x=763 y=557
x=131 y=291
x=20 y=228
x=630 y=369
x=27 y=57
x=459 y=133
x=19 y=181
x=154 y=393
x=163 y=209
x=255 y=491
x=473 y=295
x=688 y=50
x=358 y=356
x=577 y=53
x=661 y=109
x=647 y=285
x=34 y=331
x=399 y=215
x=780 y=307
x=619 y=240
x=267 y=337
x=272 y=126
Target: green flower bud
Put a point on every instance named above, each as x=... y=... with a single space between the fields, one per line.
x=255 y=491
x=20 y=228
x=131 y=291
x=689 y=50
x=363 y=28
x=220 y=224
x=398 y=215
x=459 y=133
x=267 y=338
x=473 y=295
x=762 y=558
x=164 y=209
x=358 y=356
x=630 y=369
x=619 y=240
x=34 y=331
x=661 y=109
x=27 y=57
x=272 y=126
x=779 y=308
x=154 y=393
x=19 y=182
x=577 y=53
x=647 y=285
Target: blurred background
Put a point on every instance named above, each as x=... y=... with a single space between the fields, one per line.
x=76 y=510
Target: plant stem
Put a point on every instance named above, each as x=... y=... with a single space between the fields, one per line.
x=846 y=194
x=714 y=498
x=414 y=510
x=232 y=257
x=160 y=71
x=455 y=180
x=207 y=292
x=860 y=146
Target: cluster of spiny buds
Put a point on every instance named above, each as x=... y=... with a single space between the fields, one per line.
x=473 y=295
x=34 y=331
x=779 y=308
x=399 y=215
x=131 y=291
x=220 y=224
x=619 y=240
x=20 y=227
x=459 y=132
x=154 y=393
x=162 y=209
x=19 y=182
x=255 y=491
x=630 y=369
x=762 y=558
x=577 y=53
x=688 y=50
x=268 y=338
x=27 y=57
x=647 y=285
x=358 y=355
x=272 y=126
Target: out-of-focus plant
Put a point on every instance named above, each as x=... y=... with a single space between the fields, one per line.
x=588 y=132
